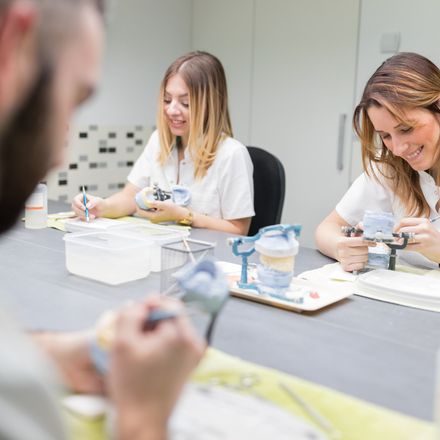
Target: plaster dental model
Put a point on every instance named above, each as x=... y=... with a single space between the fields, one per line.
x=379 y=256
x=277 y=256
x=378 y=222
x=277 y=246
x=203 y=285
x=180 y=195
x=378 y=226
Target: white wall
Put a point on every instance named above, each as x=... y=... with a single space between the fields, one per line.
x=419 y=30
x=143 y=39
x=226 y=29
x=290 y=67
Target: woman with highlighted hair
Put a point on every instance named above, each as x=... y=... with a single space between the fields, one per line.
x=192 y=147
x=398 y=124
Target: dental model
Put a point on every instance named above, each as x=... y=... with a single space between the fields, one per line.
x=180 y=195
x=203 y=285
x=378 y=226
x=277 y=256
x=277 y=246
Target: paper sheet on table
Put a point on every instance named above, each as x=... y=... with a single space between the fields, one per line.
x=330 y=275
x=357 y=419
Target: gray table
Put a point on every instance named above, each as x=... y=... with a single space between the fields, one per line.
x=379 y=352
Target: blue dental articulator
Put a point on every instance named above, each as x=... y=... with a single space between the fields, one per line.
x=378 y=228
x=180 y=195
x=277 y=246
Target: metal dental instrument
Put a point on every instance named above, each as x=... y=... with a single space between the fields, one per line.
x=388 y=240
x=313 y=412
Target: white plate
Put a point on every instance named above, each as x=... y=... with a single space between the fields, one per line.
x=327 y=294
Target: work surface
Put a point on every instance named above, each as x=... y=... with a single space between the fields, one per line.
x=379 y=352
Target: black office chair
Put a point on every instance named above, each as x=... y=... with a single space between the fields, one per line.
x=269 y=189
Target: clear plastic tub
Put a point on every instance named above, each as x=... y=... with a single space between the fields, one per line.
x=109 y=257
x=159 y=234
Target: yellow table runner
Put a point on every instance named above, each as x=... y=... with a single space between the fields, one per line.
x=357 y=419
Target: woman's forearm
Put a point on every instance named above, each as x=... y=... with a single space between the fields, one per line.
x=121 y=203
x=328 y=234
x=238 y=227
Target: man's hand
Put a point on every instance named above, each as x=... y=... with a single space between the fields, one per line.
x=149 y=368
x=70 y=352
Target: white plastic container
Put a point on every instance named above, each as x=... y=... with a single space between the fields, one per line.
x=404 y=288
x=35 y=216
x=159 y=234
x=109 y=257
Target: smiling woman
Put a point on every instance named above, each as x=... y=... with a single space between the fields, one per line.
x=398 y=124
x=192 y=147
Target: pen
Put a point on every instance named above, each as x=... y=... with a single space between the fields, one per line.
x=432 y=220
x=85 y=204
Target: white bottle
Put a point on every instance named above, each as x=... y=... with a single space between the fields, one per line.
x=36 y=208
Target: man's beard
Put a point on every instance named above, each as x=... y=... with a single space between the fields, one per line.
x=25 y=150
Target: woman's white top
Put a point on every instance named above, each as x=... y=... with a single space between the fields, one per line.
x=227 y=191
x=29 y=408
x=367 y=194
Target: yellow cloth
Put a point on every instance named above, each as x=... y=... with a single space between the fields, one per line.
x=357 y=419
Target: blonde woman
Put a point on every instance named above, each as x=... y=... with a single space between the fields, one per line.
x=398 y=124
x=193 y=147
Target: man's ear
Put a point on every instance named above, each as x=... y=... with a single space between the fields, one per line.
x=18 y=59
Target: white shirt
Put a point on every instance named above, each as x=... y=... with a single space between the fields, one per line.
x=227 y=191
x=28 y=404
x=367 y=194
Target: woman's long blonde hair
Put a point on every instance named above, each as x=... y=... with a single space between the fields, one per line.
x=403 y=82
x=208 y=108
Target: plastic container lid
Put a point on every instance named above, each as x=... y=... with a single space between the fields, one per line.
x=102 y=239
x=414 y=289
x=78 y=225
x=158 y=233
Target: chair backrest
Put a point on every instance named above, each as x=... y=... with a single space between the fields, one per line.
x=269 y=189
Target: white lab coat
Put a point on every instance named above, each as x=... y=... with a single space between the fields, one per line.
x=28 y=401
x=367 y=194
x=227 y=191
